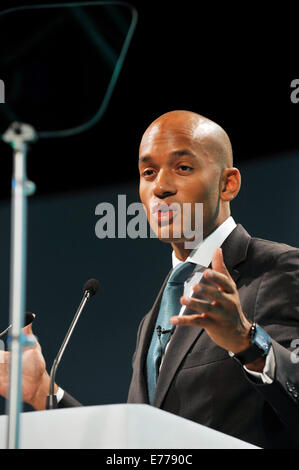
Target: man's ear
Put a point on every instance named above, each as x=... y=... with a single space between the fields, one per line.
x=230 y=184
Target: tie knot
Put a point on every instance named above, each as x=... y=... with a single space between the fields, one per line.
x=181 y=272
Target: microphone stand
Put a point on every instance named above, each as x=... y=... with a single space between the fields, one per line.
x=17 y=135
x=51 y=402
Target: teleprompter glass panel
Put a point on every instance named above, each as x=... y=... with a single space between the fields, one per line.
x=59 y=63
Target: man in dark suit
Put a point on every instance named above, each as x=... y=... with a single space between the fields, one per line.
x=224 y=358
x=215 y=371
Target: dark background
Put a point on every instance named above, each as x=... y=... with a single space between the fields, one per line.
x=234 y=67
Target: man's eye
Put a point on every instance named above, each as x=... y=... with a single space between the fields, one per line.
x=148 y=172
x=186 y=168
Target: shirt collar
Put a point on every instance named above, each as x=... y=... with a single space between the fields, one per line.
x=204 y=251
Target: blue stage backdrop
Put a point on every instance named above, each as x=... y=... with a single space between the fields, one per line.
x=63 y=252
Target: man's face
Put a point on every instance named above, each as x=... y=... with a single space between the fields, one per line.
x=176 y=168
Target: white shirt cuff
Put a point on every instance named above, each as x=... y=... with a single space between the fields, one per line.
x=267 y=376
x=59 y=394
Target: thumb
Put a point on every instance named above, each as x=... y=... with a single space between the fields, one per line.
x=27 y=330
x=218 y=263
x=31 y=338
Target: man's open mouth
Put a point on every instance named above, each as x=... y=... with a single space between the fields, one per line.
x=164 y=212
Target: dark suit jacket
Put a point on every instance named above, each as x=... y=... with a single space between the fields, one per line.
x=201 y=382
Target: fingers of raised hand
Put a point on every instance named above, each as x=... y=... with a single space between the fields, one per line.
x=213 y=293
x=222 y=281
x=196 y=319
x=4 y=357
x=201 y=306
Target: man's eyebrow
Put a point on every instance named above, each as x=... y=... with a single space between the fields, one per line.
x=175 y=154
x=145 y=158
x=181 y=153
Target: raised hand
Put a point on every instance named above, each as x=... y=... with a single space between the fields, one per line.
x=221 y=313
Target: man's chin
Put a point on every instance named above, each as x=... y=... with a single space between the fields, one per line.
x=174 y=240
x=175 y=235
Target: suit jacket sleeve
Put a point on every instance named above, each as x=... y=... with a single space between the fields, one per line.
x=277 y=311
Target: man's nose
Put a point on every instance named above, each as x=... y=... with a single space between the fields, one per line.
x=164 y=184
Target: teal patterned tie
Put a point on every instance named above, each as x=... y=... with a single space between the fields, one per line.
x=170 y=305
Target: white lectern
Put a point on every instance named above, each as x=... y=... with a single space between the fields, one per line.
x=120 y=426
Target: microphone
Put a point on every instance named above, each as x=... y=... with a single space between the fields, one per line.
x=162 y=331
x=29 y=317
x=90 y=288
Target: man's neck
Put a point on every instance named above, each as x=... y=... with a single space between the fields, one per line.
x=179 y=247
x=180 y=252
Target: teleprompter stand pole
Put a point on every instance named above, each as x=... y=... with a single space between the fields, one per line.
x=17 y=135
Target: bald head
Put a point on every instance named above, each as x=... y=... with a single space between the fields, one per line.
x=212 y=139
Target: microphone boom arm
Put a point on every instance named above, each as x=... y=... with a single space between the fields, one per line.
x=51 y=398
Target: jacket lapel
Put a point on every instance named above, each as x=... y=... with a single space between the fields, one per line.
x=181 y=342
x=234 y=251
